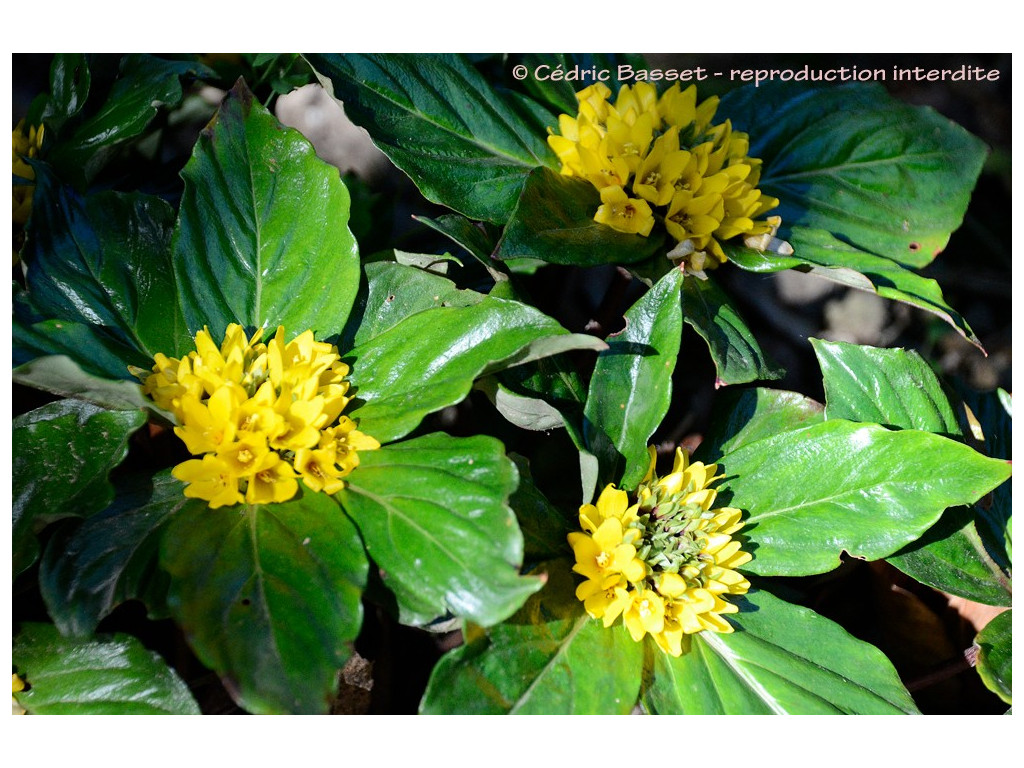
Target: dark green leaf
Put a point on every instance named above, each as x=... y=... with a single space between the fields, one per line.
x=429 y=360
x=866 y=182
x=737 y=355
x=61 y=455
x=993 y=413
x=474 y=237
x=104 y=260
x=262 y=236
x=441 y=122
x=549 y=658
x=951 y=557
x=554 y=221
x=631 y=387
x=544 y=527
x=434 y=514
x=94 y=351
x=782 y=659
x=61 y=375
x=995 y=656
x=888 y=178
x=574 y=72
x=111 y=557
x=813 y=492
x=892 y=387
x=69 y=88
x=145 y=84
x=743 y=416
x=268 y=597
x=106 y=675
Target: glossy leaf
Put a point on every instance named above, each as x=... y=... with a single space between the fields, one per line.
x=440 y=121
x=478 y=239
x=105 y=675
x=553 y=221
x=995 y=656
x=268 y=597
x=891 y=387
x=61 y=455
x=737 y=355
x=631 y=387
x=429 y=360
x=811 y=493
x=898 y=389
x=262 y=236
x=433 y=513
x=549 y=658
x=104 y=260
x=111 y=557
x=743 y=416
x=70 y=81
x=393 y=293
x=782 y=659
x=86 y=347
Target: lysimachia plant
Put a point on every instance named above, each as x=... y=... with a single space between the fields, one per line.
x=239 y=421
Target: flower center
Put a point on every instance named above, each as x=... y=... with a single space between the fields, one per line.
x=603 y=559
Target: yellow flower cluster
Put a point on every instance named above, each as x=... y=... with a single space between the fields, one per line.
x=261 y=416
x=665 y=562
x=644 y=152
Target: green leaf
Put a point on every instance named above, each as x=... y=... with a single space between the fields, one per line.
x=433 y=512
x=61 y=455
x=145 y=84
x=111 y=557
x=549 y=658
x=631 y=387
x=892 y=387
x=61 y=375
x=105 y=675
x=553 y=221
x=898 y=389
x=742 y=416
x=993 y=413
x=951 y=557
x=262 y=237
x=440 y=121
x=782 y=659
x=995 y=656
x=477 y=239
x=268 y=596
x=104 y=260
x=890 y=178
x=429 y=360
x=864 y=181
x=813 y=492
x=70 y=80
x=544 y=526
x=737 y=355
x=395 y=292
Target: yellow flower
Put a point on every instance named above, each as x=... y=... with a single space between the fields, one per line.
x=664 y=563
x=17 y=684
x=624 y=213
x=666 y=150
x=259 y=416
